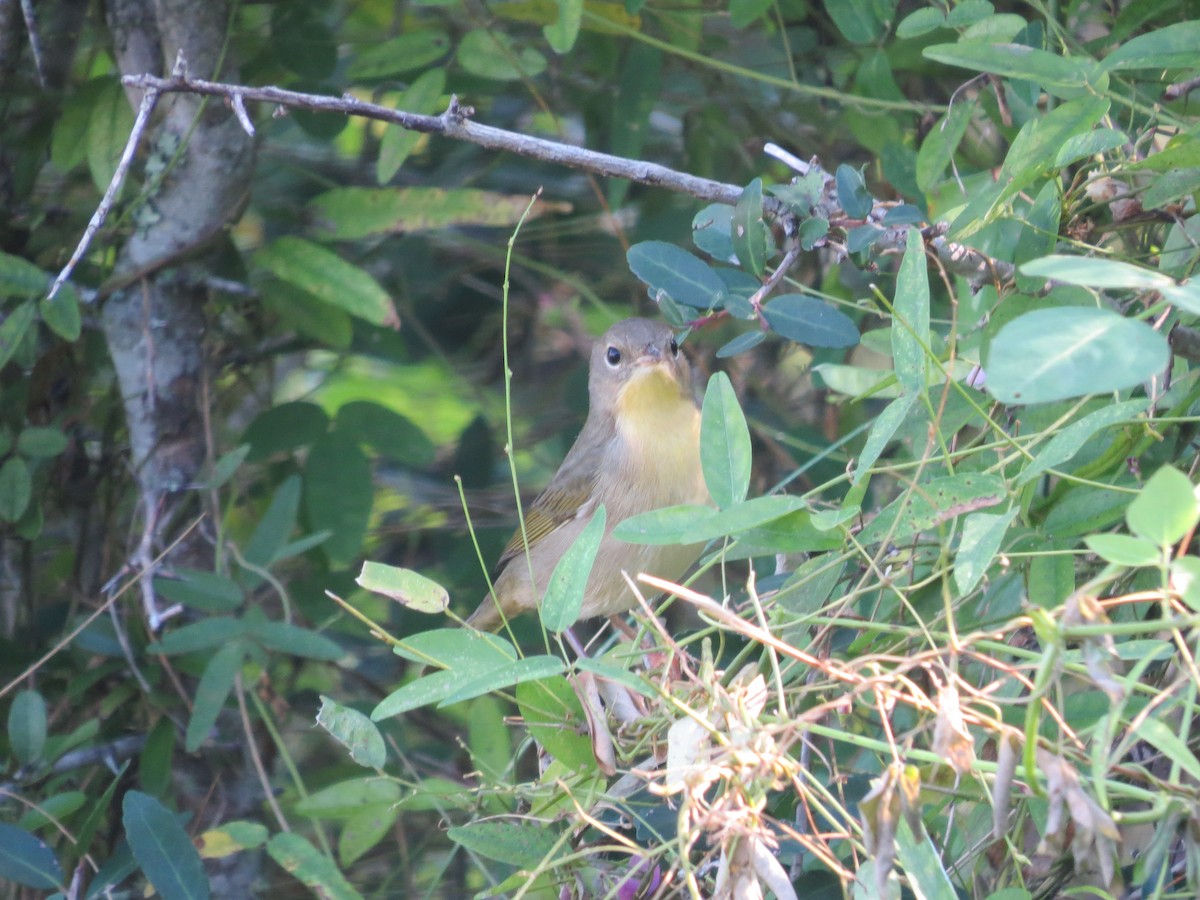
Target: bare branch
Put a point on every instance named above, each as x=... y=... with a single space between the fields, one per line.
x=456 y=123
x=149 y=99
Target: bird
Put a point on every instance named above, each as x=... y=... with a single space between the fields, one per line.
x=639 y=450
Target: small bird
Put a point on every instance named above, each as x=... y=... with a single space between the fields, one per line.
x=639 y=450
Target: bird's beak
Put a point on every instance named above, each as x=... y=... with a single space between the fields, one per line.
x=651 y=356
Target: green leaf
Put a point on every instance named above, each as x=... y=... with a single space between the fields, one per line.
x=744 y=12
x=724 y=443
x=968 y=12
x=163 y=849
x=288 y=638
x=807 y=588
x=807 y=320
x=212 y=692
x=562 y=33
x=300 y=311
x=13 y=329
x=741 y=343
x=529 y=668
x=1183 y=152
x=932 y=503
x=493 y=54
x=524 y=846
x=1165 y=741
x=741 y=517
x=52 y=809
x=41 y=443
x=1030 y=157
x=422 y=97
x=462 y=649
x=387 y=432
x=329 y=278
x=108 y=129
x=910 y=328
x=919 y=22
x=27 y=726
x=365 y=830
x=790 y=533
x=555 y=719
x=856 y=200
x=420 y=692
x=21 y=278
x=712 y=230
x=882 y=430
x=1166 y=48
x=489 y=737
x=922 y=863
x=857 y=20
x=1070 y=440
x=812 y=231
x=311 y=867
x=338 y=494
x=982 y=535
x=234 y=837
x=283 y=428
x=748 y=233
x=205 y=591
x=1165 y=510
x=1081 y=146
x=466 y=654
x=1065 y=352
x=1103 y=274
x=27 y=860
x=61 y=313
x=938 y=148
x=203 y=635
x=664 y=526
x=345 y=214
x=1171 y=186
x=862 y=237
x=1040 y=232
x=348 y=798
x=156 y=761
x=1123 y=550
x=415 y=49
x=1061 y=76
x=354 y=731
x=225 y=467
x=276 y=524
x=405 y=586
x=677 y=273
x=563 y=600
x=16 y=489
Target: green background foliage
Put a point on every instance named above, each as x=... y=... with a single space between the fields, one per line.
x=943 y=635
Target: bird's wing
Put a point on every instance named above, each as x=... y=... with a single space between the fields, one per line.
x=569 y=495
x=553 y=508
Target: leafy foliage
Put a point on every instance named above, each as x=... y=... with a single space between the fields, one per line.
x=942 y=639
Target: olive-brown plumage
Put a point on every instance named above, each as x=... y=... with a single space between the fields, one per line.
x=639 y=450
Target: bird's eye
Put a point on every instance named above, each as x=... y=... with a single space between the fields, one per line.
x=674 y=347
x=613 y=356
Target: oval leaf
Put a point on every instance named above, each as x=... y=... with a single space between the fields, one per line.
x=724 y=443
x=563 y=600
x=27 y=860
x=163 y=849
x=406 y=587
x=807 y=320
x=329 y=278
x=676 y=273
x=1056 y=354
x=27 y=726
x=355 y=731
